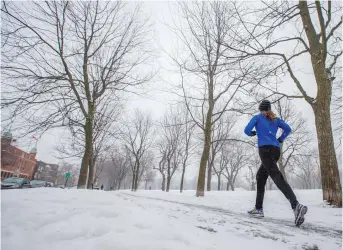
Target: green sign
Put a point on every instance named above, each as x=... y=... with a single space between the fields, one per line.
x=68 y=175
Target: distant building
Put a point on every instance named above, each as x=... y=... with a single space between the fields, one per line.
x=14 y=161
x=46 y=171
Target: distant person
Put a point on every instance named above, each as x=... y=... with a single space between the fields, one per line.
x=102 y=187
x=266 y=125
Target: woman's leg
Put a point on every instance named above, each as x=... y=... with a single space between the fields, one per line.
x=261 y=178
x=269 y=156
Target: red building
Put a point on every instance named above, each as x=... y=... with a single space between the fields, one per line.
x=14 y=161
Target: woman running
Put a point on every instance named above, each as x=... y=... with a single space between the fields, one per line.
x=266 y=125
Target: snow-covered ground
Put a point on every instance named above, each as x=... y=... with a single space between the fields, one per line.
x=49 y=218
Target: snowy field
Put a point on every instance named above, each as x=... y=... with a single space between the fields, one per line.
x=57 y=219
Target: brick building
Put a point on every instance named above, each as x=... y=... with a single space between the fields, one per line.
x=46 y=172
x=14 y=161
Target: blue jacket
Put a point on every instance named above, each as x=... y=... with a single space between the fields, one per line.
x=266 y=130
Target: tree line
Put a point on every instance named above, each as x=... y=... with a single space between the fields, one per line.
x=71 y=65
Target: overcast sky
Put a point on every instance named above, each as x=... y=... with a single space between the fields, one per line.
x=156 y=100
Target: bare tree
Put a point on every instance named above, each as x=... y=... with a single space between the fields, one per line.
x=60 y=59
x=253 y=164
x=120 y=168
x=148 y=177
x=300 y=137
x=186 y=140
x=146 y=172
x=218 y=169
x=307 y=170
x=234 y=159
x=171 y=147
x=137 y=135
x=162 y=167
x=212 y=81
x=221 y=134
x=317 y=34
x=104 y=131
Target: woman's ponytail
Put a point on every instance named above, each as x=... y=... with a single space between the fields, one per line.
x=270 y=115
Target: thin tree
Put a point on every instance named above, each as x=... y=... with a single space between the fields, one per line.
x=188 y=131
x=221 y=135
x=234 y=159
x=253 y=164
x=137 y=135
x=162 y=167
x=120 y=168
x=171 y=147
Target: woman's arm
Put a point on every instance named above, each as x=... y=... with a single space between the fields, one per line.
x=248 y=129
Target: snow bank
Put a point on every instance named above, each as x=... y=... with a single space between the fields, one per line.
x=65 y=219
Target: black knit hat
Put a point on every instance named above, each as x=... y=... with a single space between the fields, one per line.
x=265 y=106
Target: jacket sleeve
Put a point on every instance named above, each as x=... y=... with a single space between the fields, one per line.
x=250 y=126
x=286 y=129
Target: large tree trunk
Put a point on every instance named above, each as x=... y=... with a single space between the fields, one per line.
x=331 y=184
x=163 y=183
x=227 y=186
x=168 y=183
x=82 y=182
x=182 y=177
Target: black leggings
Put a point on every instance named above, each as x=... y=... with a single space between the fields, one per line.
x=269 y=156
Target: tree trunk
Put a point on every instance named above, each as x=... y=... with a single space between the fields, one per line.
x=207 y=143
x=86 y=156
x=232 y=186
x=91 y=171
x=133 y=181
x=331 y=185
x=137 y=177
x=204 y=157
x=168 y=183
x=270 y=183
x=146 y=184
x=227 y=186
x=163 y=183
x=182 y=178
x=209 y=175
x=219 y=183
x=252 y=186
x=281 y=165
